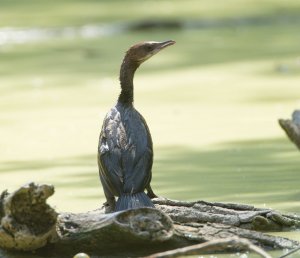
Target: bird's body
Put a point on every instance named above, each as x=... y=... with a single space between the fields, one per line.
x=125 y=152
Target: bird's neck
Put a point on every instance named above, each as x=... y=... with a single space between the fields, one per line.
x=127 y=71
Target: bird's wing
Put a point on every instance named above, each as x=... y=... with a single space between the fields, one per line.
x=110 y=153
x=149 y=150
x=138 y=158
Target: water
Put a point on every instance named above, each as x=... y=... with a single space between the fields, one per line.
x=11 y=35
x=26 y=35
x=216 y=140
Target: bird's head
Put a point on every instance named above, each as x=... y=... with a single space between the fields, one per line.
x=142 y=51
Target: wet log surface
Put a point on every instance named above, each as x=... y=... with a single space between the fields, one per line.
x=231 y=214
x=292 y=127
x=29 y=224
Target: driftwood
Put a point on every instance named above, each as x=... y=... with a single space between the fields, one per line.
x=235 y=215
x=29 y=224
x=292 y=127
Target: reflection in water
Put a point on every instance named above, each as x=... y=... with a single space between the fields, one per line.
x=23 y=35
x=20 y=36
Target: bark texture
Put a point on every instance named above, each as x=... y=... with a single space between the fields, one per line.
x=292 y=127
x=28 y=223
x=231 y=214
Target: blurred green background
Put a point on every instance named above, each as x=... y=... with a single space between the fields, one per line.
x=211 y=101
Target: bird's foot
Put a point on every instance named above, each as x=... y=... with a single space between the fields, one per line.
x=108 y=207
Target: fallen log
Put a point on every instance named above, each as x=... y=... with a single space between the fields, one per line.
x=28 y=223
x=232 y=214
x=292 y=127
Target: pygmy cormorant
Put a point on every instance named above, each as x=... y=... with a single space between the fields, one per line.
x=125 y=153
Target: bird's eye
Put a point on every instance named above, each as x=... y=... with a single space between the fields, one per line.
x=149 y=48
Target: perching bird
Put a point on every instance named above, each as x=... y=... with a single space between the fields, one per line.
x=125 y=153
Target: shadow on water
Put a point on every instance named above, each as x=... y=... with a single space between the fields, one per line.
x=69 y=173
x=258 y=172
x=16 y=166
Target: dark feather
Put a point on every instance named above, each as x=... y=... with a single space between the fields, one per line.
x=125 y=151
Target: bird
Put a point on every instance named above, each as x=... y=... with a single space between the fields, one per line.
x=125 y=149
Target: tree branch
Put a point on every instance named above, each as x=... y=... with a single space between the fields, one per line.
x=292 y=127
x=217 y=245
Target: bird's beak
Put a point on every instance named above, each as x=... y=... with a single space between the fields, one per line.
x=157 y=46
x=162 y=45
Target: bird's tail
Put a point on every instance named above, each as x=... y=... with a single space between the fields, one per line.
x=133 y=201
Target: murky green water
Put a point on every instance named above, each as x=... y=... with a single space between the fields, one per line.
x=211 y=101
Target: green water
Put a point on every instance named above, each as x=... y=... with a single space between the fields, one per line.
x=211 y=101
